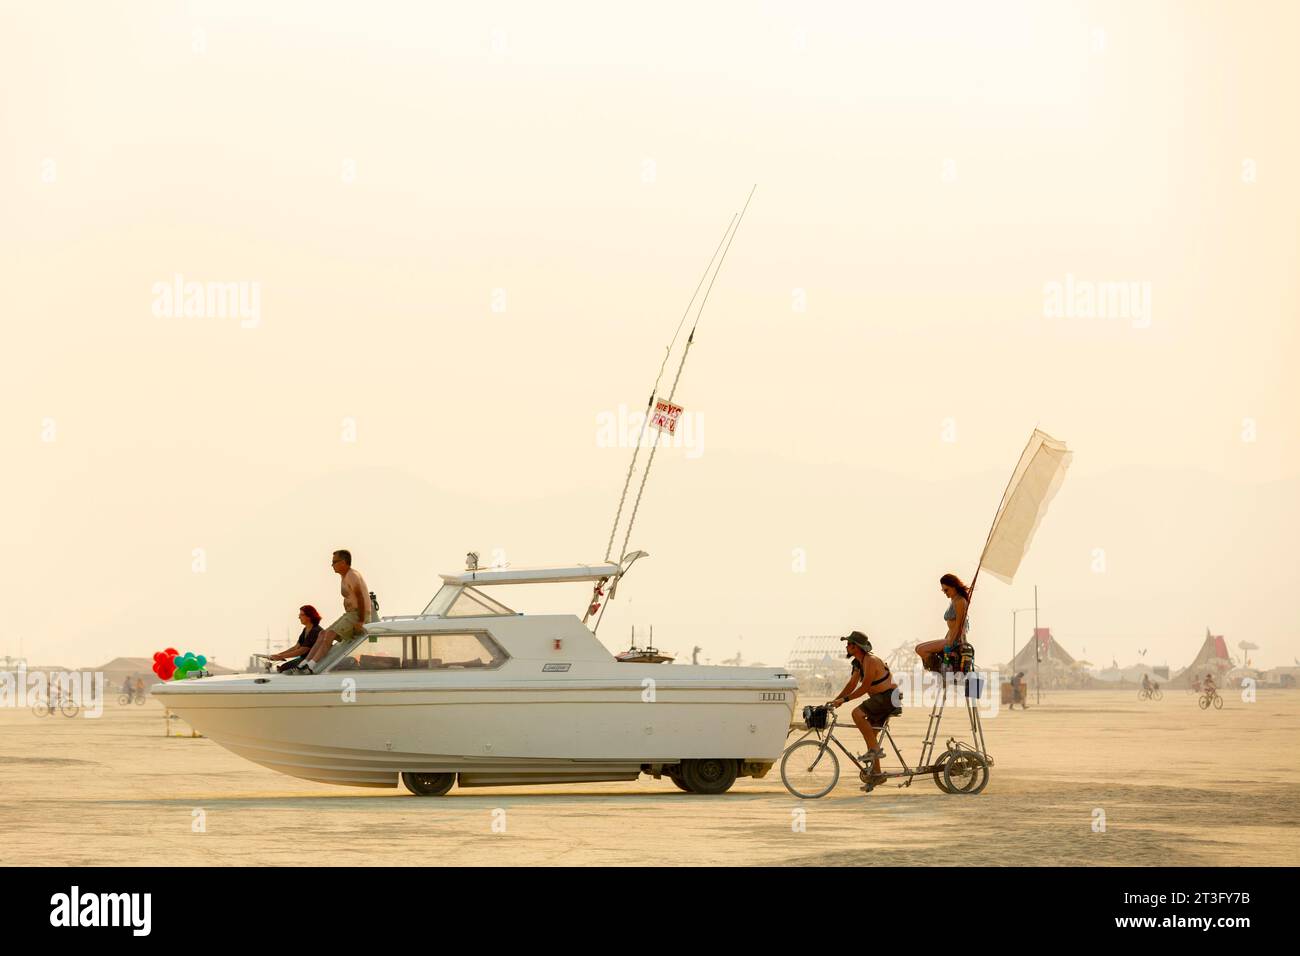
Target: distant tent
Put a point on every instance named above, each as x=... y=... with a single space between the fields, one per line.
x=1212 y=658
x=1052 y=651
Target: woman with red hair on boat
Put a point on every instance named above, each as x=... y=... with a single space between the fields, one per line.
x=309 y=617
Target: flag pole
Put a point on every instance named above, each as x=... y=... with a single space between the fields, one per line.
x=993 y=527
x=1038 y=655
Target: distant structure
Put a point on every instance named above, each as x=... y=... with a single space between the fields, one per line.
x=820 y=666
x=122 y=668
x=1212 y=658
x=1045 y=659
x=903 y=658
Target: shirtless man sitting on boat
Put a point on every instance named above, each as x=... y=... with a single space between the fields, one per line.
x=869 y=675
x=356 y=611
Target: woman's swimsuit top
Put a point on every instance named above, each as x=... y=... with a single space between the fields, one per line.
x=951 y=615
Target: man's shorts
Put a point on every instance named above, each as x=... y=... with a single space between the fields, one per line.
x=346 y=626
x=878 y=708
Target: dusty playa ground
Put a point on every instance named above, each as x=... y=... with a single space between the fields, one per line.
x=1176 y=785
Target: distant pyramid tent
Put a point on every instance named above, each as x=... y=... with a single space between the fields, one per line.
x=1026 y=660
x=1212 y=658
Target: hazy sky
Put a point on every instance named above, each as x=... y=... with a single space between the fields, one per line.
x=464 y=238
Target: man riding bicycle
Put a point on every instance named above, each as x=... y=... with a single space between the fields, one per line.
x=868 y=675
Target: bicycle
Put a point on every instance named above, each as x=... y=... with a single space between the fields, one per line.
x=1150 y=693
x=65 y=705
x=1209 y=697
x=127 y=700
x=810 y=768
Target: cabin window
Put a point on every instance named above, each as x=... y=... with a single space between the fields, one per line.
x=460 y=600
x=442 y=650
x=474 y=603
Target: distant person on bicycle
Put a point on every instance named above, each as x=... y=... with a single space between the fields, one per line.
x=1146 y=684
x=868 y=675
x=127 y=689
x=139 y=688
x=1208 y=685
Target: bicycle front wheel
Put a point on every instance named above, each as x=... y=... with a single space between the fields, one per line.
x=1157 y=694
x=810 y=769
x=1218 y=702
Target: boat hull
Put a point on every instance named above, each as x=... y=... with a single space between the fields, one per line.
x=528 y=732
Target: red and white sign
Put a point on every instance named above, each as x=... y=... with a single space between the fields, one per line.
x=665 y=416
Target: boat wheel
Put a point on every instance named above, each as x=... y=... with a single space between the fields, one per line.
x=428 y=784
x=676 y=778
x=712 y=775
x=965 y=772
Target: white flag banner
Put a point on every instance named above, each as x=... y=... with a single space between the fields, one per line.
x=1033 y=484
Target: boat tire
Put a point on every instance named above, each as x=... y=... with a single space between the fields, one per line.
x=710 y=775
x=428 y=784
x=676 y=778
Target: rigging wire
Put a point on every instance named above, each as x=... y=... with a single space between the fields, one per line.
x=636 y=448
x=682 y=364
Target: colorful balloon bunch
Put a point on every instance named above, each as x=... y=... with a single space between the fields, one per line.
x=171 y=664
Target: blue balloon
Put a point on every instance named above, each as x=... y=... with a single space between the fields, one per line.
x=203 y=661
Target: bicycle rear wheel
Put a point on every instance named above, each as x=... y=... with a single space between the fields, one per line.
x=938 y=774
x=965 y=772
x=810 y=769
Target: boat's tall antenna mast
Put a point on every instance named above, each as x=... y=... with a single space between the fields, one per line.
x=690 y=340
x=636 y=448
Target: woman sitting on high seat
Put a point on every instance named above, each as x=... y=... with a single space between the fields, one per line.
x=933 y=652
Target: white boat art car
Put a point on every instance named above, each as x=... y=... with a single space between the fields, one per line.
x=472 y=691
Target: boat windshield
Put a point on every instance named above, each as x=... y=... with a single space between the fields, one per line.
x=459 y=600
x=439 y=651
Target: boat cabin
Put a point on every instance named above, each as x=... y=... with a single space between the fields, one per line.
x=464 y=628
